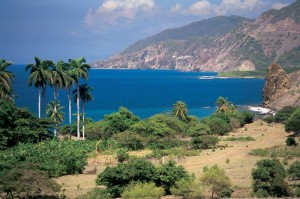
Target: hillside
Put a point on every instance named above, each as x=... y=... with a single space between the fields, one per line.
x=219 y=44
x=235 y=160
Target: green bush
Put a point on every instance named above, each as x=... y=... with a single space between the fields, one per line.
x=122 y=155
x=130 y=140
x=290 y=141
x=168 y=174
x=56 y=157
x=269 y=176
x=166 y=142
x=218 y=126
x=188 y=189
x=247 y=117
x=118 y=177
x=226 y=193
x=269 y=119
x=198 y=130
x=204 y=142
x=96 y=193
x=27 y=181
x=283 y=114
x=262 y=193
x=277 y=151
x=293 y=123
x=143 y=190
x=239 y=139
x=294 y=171
x=297 y=192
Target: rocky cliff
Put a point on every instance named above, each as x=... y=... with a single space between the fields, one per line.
x=281 y=89
x=242 y=45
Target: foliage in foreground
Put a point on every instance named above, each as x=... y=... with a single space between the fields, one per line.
x=268 y=179
x=188 y=189
x=140 y=170
x=26 y=180
x=56 y=157
x=215 y=179
x=293 y=123
x=294 y=171
x=96 y=193
x=143 y=190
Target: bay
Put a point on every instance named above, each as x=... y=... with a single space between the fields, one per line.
x=148 y=92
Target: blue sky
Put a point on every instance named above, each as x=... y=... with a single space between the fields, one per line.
x=97 y=29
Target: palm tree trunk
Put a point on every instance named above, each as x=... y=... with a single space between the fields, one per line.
x=78 y=113
x=55 y=111
x=44 y=91
x=39 y=102
x=83 y=120
x=70 y=109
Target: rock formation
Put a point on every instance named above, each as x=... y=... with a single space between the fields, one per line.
x=281 y=89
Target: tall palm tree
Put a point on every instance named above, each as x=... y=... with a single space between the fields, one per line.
x=85 y=96
x=40 y=75
x=58 y=81
x=6 y=78
x=54 y=111
x=80 y=70
x=224 y=106
x=180 y=110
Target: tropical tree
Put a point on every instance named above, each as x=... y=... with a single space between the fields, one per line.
x=224 y=106
x=40 y=76
x=80 y=70
x=6 y=78
x=58 y=81
x=54 y=111
x=85 y=96
x=180 y=110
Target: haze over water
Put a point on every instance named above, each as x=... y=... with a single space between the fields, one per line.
x=148 y=92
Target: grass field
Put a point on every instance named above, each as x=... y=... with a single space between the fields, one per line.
x=235 y=159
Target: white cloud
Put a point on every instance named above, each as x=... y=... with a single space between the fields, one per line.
x=233 y=6
x=200 y=8
x=113 y=10
x=278 y=5
x=177 y=8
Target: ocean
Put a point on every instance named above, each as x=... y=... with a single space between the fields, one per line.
x=148 y=92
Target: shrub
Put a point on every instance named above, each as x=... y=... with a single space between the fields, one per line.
x=283 y=114
x=269 y=176
x=143 y=190
x=226 y=193
x=96 y=193
x=122 y=155
x=240 y=139
x=166 y=142
x=118 y=177
x=168 y=174
x=216 y=179
x=247 y=117
x=269 y=119
x=218 y=126
x=27 y=181
x=130 y=140
x=290 y=141
x=198 y=130
x=294 y=171
x=235 y=123
x=188 y=189
x=262 y=193
x=204 y=142
x=293 y=123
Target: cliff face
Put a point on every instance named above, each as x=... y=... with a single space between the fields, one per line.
x=281 y=89
x=242 y=45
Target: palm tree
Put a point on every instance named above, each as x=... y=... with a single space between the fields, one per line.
x=54 y=111
x=40 y=75
x=85 y=97
x=69 y=81
x=180 y=110
x=224 y=106
x=6 y=78
x=80 y=70
x=58 y=81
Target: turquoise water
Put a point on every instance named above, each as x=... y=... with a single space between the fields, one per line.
x=148 y=92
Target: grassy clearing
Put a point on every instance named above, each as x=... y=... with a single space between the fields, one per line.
x=277 y=151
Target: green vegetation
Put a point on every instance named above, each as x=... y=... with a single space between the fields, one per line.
x=283 y=114
x=294 y=171
x=293 y=124
x=180 y=110
x=215 y=179
x=268 y=179
x=96 y=193
x=6 y=78
x=290 y=141
x=188 y=188
x=239 y=139
x=143 y=190
x=243 y=74
x=277 y=151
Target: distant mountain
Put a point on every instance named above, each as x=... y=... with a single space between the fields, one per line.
x=219 y=44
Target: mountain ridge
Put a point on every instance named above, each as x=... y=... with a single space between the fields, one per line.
x=243 y=45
